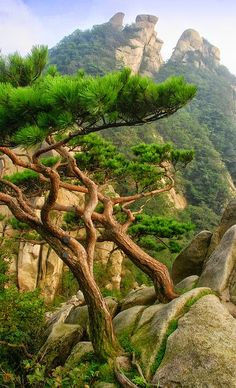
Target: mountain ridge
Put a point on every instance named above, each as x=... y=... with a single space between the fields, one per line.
x=208 y=123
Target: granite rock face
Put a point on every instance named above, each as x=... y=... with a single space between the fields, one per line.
x=192 y=48
x=228 y=219
x=142 y=296
x=154 y=323
x=220 y=270
x=117 y=20
x=188 y=283
x=201 y=351
x=142 y=51
x=59 y=344
x=190 y=260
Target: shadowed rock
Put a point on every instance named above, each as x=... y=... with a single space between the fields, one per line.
x=190 y=260
x=228 y=219
x=220 y=270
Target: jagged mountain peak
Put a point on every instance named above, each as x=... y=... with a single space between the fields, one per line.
x=136 y=46
x=146 y=19
x=141 y=50
x=192 y=48
x=117 y=20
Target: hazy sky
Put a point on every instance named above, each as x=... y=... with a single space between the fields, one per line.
x=24 y=23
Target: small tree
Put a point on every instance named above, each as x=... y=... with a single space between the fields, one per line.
x=56 y=111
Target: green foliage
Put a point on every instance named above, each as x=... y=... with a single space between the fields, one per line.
x=140 y=170
x=56 y=103
x=190 y=302
x=20 y=71
x=201 y=216
x=50 y=161
x=133 y=275
x=24 y=177
x=155 y=233
x=29 y=136
x=4 y=277
x=154 y=225
x=18 y=314
x=68 y=287
x=209 y=127
x=125 y=341
x=18 y=225
x=89 y=371
x=140 y=382
x=158 y=153
x=173 y=325
x=82 y=49
x=71 y=221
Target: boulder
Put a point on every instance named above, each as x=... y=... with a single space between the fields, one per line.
x=190 y=260
x=117 y=20
x=125 y=321
x=201 y=351
x=192 y=48
x=155 y=323
x=79 y=351
x=142 y=296
x=146 y=19
x=228 y=219
x=78 y=316
x=112 y=305
x=59 y=344
x=220 y=270
x=187 y=284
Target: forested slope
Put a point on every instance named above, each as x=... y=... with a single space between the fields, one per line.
x=207 y=125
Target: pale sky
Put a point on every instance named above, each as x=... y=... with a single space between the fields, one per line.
x=24 y=23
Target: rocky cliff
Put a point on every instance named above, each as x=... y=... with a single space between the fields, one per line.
x=192 y=48
x=141 y=52
x=136 y=46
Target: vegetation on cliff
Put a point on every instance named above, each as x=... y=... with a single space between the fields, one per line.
x=207 y=124
x=58 y=110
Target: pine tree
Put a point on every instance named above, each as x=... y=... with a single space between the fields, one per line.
x=58 y=111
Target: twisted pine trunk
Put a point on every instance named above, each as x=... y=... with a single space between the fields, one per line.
x=157 y=271
x=101 y=331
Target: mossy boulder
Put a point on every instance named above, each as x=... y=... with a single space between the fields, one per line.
x=79 y=351
x=79 y=316
x=155 y=324
x=187 y=284
x=59 y=344
x=125 y=321
x=201 y=351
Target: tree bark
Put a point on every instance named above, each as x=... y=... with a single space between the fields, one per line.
x=102 y=335
x=157 y=271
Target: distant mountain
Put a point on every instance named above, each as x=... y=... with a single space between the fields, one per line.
x=110 y=46
x=207 y=124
